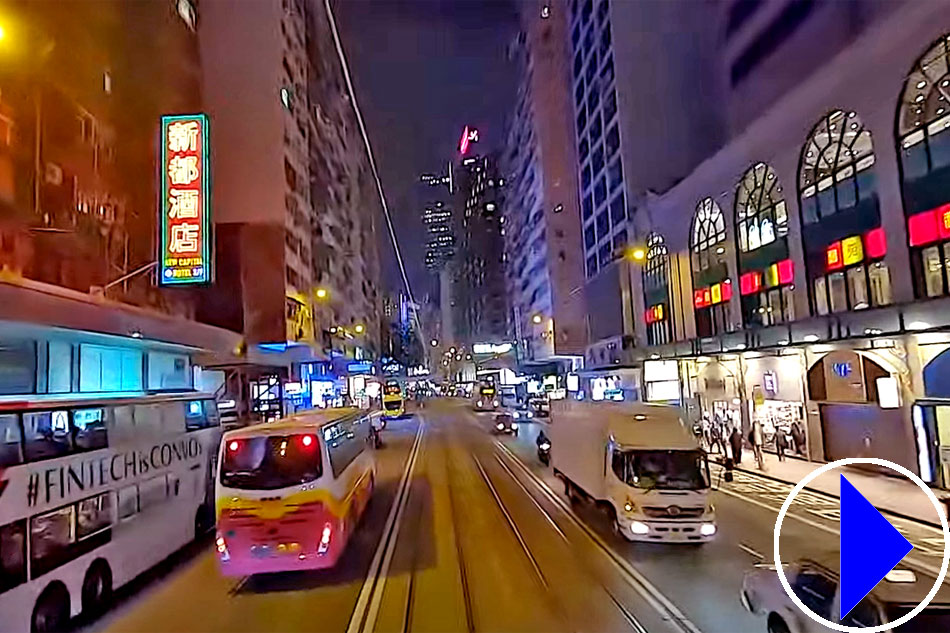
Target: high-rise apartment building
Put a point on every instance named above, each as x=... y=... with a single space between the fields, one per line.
x=636 y=71
x=295 y=199
x=478 y=282
x=543 y=257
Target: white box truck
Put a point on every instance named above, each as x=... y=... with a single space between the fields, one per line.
x=639 y=463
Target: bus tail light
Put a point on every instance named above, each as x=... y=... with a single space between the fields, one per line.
x=325 y=538
x=307 y=440
x=222 y=547
x=233 y=445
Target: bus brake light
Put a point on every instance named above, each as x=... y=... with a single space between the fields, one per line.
x=325 y=539
x=307 y=440
x=233 y=445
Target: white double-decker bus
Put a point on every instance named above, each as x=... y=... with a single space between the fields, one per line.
x=93 y=492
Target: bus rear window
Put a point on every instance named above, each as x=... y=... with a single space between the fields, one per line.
x=271 y=461
x=392 y=405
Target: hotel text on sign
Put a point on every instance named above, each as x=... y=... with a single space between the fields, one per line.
x=185 y=205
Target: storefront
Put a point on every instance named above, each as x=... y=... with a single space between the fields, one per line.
x=775 y=397
x=714 y=389
x=661 y=381
x=855 y=401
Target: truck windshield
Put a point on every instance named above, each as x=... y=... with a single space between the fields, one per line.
x=663 y=470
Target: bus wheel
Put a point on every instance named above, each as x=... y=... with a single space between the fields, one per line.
x=97 y=588
x=51 y=613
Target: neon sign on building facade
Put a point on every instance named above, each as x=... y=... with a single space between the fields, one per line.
x=184 y=255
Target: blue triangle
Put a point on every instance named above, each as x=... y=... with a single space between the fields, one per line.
x=870 y=547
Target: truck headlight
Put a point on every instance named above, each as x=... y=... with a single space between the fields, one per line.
x=707 y=529
x=628 y=506
x=638 y=527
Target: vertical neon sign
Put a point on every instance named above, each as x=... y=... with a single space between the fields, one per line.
x=184 y=252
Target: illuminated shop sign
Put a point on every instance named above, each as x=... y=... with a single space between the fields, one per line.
x=185 y=207
x=491 y=348
x=929 y=226
x=855 y=249
x=654 y=314
x=716 y=293
x=778 y=274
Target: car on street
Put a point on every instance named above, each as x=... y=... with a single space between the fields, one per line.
x=522 y=412
x=816 y=584
x=504 y=424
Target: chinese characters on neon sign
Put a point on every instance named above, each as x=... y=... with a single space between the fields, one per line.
x=185 y=210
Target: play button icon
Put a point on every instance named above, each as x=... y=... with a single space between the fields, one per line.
x=870 y=547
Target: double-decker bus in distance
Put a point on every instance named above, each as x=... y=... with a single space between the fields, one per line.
x=486 y=397
x=394 y=404
x=291 y=493
x=93 y=492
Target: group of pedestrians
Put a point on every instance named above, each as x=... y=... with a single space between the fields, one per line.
x=725 y=428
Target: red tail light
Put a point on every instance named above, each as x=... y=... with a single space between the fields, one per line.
x=234 y=445
x=307 y=440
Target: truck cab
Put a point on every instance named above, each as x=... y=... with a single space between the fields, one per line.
x=640 y=464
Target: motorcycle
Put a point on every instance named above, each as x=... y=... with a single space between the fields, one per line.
x=544 y=449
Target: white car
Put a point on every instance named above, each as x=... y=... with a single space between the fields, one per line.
x=816 y=585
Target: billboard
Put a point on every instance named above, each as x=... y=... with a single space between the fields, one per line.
x=184 y=251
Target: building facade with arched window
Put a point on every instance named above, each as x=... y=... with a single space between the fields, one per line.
x=766 y=271
x=656 y=292
x=712 y=285
x=854 y=260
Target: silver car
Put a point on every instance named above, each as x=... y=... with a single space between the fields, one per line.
x=816 y=585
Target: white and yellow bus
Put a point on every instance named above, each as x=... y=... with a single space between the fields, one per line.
x=291 y=493
x=394 y=403
x=93 y=492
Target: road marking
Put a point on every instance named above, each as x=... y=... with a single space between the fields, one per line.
x=912 y=561
x=637 y=580
x=751 y=552
x=363 y=618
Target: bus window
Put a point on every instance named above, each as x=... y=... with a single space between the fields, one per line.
x=89 y=429
x=211 y=412
x=12 y=554
x=269 y=462
x=10 y=453
x=51 y=534
x=197 y=415
x=94 y=515
x=343 y=444
x=46 y=435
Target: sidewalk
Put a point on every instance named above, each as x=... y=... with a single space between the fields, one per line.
x=895 y=495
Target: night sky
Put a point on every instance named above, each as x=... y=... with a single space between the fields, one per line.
x=422 y=70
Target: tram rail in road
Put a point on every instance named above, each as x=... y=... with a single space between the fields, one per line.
x=366 y=611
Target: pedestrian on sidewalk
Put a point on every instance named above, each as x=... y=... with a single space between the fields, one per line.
x=781 y=442
x=735 y=442
x=715 y=438
x=757 y=440
x=798 y=437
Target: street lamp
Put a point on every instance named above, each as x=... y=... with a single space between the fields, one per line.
x=359 y=329
x=638 y=254
x=536 y=319
x=322 y=293
x=433 y=342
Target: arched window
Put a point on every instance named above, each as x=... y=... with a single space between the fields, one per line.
x=656 y=291
x=923 y=135
x=766 y=273
x=836 y=167
x=841 y=219
x=712 y=288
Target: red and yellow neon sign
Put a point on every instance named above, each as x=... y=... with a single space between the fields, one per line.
x=185 y=207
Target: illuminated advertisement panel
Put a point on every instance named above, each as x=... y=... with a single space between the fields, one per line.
x=184 y=255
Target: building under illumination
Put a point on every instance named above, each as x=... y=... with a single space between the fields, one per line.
x=795 y=274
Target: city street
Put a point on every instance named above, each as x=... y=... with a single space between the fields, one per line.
x=487 y=542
